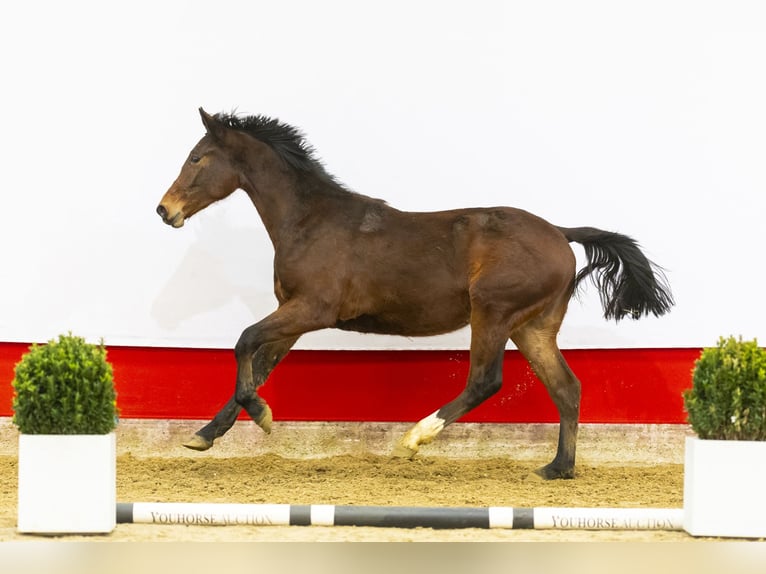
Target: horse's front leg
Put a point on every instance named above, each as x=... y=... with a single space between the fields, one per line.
x=287 y=323
x=267 y=357
x=222 y=422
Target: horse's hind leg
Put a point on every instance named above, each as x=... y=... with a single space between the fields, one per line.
x=484 y=379
x=538 y=345
x=266 y=358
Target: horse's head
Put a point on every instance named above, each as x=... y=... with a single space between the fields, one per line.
x=208 y=175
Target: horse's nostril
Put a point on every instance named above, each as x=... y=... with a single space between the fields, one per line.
x=162 y=212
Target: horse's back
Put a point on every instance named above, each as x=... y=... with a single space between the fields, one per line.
x=511 y=235
x=453 y=246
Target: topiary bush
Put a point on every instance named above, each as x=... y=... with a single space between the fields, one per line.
x=727 y=400
x=64 y=387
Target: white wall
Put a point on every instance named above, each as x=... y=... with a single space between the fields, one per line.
x=646 y=118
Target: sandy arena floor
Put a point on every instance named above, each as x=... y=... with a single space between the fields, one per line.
x=369 y=480
x=471 y=465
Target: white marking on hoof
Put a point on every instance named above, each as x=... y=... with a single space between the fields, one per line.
x=422 y=433
x=266 y=419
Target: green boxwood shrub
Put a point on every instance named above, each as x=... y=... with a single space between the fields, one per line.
x=64 y=387
x=727 y=400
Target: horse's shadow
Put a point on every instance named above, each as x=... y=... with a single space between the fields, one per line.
x=216 y=271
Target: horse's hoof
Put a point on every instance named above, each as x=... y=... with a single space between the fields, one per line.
x=265 y=419
x=196 y=442
x=402 y=451
x=550 y=472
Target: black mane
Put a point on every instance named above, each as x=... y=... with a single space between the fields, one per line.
x=287 y=141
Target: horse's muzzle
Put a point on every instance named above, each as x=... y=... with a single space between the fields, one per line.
x=177 y=220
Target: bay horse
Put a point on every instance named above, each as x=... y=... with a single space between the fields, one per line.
x=344 y=260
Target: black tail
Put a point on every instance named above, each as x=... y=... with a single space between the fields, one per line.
x=628 y=283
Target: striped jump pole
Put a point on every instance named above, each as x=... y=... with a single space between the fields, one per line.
x=538 y=518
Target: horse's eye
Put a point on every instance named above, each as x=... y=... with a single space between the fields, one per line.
x=194 y=159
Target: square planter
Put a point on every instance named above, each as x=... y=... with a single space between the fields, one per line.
x=67 y=484
x=724 y=488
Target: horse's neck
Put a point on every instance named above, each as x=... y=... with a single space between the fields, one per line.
x=272 y=209
x=284 y=209
x=290 y=215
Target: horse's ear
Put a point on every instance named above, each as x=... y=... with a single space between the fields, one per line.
x=213 y=127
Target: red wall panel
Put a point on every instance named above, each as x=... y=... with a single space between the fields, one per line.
x=619 y=385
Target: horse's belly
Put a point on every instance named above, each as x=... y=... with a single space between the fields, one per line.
x=417 y=323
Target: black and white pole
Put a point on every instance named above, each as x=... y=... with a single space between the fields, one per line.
x=538 y=518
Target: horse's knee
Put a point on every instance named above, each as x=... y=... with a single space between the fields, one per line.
x=248 y=343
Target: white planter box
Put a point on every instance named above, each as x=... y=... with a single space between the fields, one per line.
x=67 y=483
x=724 y=492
